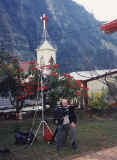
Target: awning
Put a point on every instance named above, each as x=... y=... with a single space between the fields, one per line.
x=109 y=27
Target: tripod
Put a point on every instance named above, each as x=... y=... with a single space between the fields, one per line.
x=43 y=123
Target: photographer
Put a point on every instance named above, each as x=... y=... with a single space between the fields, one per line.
x=65 y=120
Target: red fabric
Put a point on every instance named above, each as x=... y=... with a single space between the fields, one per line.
x=47 y=133
x=110 y=27
x=17 y=115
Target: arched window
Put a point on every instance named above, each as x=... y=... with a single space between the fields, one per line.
x=51 y=60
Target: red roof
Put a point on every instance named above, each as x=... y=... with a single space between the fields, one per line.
x=110 y=27
x=25 y=65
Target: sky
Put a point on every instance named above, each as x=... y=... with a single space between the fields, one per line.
x=103 y=10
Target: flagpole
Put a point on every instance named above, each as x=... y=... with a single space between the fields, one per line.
x=42 y=97
x=43 y=123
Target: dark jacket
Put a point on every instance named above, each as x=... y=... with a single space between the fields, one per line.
x=61 y=112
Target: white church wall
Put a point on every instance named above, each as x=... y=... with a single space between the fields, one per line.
x=46 y=51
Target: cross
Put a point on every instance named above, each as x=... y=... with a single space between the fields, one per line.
x=45 y=19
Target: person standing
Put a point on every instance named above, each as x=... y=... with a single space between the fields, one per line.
x=65 y=119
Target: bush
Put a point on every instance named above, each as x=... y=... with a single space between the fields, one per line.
x=97 y=101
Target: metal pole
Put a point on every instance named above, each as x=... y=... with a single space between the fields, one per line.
x=42 y=97
x=43 y=122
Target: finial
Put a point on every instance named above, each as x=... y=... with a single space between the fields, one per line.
x=45 y=19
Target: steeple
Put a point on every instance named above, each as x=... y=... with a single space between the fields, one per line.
x=46 y=51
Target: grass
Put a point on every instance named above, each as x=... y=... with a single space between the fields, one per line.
x=92 y=135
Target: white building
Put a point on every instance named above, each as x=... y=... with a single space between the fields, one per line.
x=44 y=53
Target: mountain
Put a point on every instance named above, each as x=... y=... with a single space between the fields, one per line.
x=75 y=33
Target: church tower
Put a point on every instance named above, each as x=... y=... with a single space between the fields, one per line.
x=45 y=52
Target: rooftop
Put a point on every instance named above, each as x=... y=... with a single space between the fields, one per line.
x=88 y=75
x=46 y=45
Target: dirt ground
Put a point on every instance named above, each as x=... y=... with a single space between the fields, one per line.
x=106 y=154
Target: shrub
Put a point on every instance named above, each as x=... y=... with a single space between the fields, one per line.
x=97 y=101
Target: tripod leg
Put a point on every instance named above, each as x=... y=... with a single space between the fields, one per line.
x=36 y=133
x=53 y=137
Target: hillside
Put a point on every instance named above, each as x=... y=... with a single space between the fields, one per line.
x=75 y=33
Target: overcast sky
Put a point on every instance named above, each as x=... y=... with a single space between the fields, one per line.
x=103 y=10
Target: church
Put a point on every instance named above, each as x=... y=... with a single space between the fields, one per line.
x=45 y=52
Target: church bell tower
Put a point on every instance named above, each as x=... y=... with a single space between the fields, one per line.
x=46 y=51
